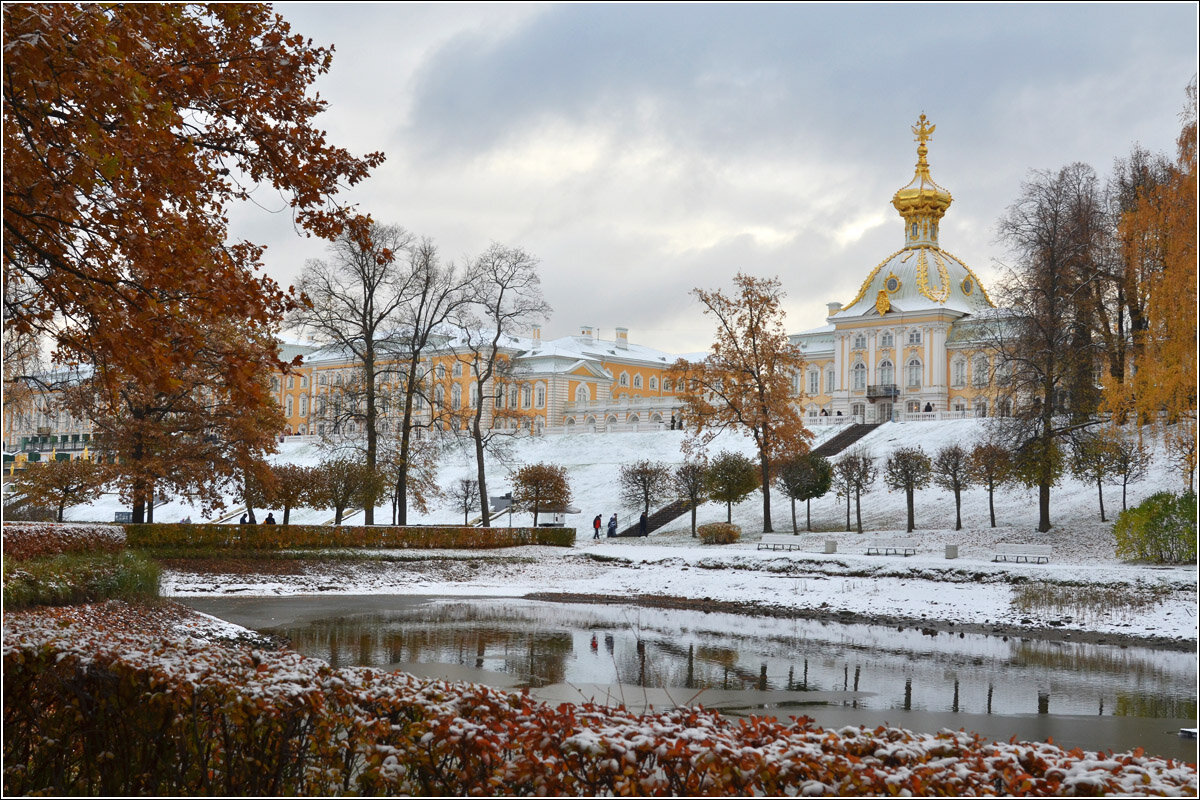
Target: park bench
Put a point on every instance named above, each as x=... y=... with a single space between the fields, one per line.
x=1037 y=553
x=779 y=541
x=893 y=547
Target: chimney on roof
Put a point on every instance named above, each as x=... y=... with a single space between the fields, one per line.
x=833 y=308
x=588 y=330
x=623 y=338
x=537 y=333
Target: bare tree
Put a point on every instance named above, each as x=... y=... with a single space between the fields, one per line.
x=507 y=300
x=689 y=482
x=854 y=474
x=1131 y=459
x=643 y=482
x=1055 y=231
x=951 y=471
x=463 y=494
x=355 y=300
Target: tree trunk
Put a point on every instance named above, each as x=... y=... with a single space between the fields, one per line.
x=485 y=513
x=693 y=520
x=795 y=528
x=337 y=515
x=729 y=513
x=808 y=511
x=957 y=509
x=1100 y=490
x=991 y=502
x=287 y=510
x=908 y=493
x=1124 y=484
x=765 y=467
x=372 y=436
x=847 y=511
x=858 y=510
x=1043 y=507
x=62 y=504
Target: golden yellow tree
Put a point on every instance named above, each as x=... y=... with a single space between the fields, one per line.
x=745 y=383
x=1159 y=230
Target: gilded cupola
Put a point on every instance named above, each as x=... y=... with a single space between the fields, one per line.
x=922 y=202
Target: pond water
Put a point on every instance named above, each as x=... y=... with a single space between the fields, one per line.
x=1098 y=697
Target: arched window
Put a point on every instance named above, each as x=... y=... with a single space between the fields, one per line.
x=323 y=380
x=887 y=373
x=830 y=380
x=303 y=381
x=512 y=396
x=860 y=341
x=288 y=412
x=540 y=395
x=981 y=408
x=654 y=384
x=624 y=380
x=526 y=395
x=439 y=396
x=458 y=369
x=1002 y=376
x=886 y=339
x=980 y=371
x=473 y=396
x=583 y=393
x=958 y=372
x=441 y=371
x=498 y=400
x=914 y=336
x=274 y=384
x=914 y=373
x=914 y=406
x=814 y=381
x=291 y=381
x=637 y=381
x=304 y=405
x=858 y=376
x=321 y=406
x=666 y=384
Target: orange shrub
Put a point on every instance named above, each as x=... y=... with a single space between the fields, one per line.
x=99 y=712
x=25 y=540
x=719 y=533
x=282 y=537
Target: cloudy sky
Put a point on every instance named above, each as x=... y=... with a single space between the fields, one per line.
x=640 y=151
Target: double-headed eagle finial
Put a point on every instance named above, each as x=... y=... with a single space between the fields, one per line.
x=923 y=130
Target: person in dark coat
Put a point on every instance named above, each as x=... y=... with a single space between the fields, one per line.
x=642 y=531
x=245 y=520
x=596 y=523
x=270 y=520
x=928 y=407
x=612 y=526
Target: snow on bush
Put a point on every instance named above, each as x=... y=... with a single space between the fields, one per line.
x=719 y=533
x=25 y=540
x=94 y=711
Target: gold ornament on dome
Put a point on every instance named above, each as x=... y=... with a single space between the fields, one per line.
x=892 y=283
x=936 y=295
x=882 y=304
x=967 y=285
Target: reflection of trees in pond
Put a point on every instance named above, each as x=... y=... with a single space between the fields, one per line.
x=383 y=639
x=1092 y=660
x=1146 y=705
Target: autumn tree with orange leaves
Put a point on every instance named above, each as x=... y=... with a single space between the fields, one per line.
x=745 y=383
x=130 y=131
x=1157 y=235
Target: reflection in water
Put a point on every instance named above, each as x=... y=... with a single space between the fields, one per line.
x=545 y=643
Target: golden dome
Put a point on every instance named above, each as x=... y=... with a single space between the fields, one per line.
x=922 y=202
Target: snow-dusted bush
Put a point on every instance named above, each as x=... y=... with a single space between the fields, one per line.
x=719 y=533
x=100 y=712
x=1161 y=529
x=24 y=540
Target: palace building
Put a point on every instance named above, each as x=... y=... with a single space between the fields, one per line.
x=908 y=346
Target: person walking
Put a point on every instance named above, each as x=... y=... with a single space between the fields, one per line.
x=596 y=523
x=612 y=526
x=642 y=526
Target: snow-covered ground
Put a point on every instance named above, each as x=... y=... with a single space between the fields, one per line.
x=925 y=587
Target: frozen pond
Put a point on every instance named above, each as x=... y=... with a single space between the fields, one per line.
x=1099 y=697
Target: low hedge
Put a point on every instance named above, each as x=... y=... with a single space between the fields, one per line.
x=24 y=540
x=98 y=712
x=70 y=578
x=282 y=537
x=719 y=533
x=1161 y=529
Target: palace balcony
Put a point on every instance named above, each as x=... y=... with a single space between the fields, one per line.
x=883 y=391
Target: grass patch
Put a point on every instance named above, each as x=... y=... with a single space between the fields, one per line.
x=69 y=579
x=1082 y=602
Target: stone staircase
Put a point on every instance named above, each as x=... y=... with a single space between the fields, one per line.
x=666 y=514
x=844 y=439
